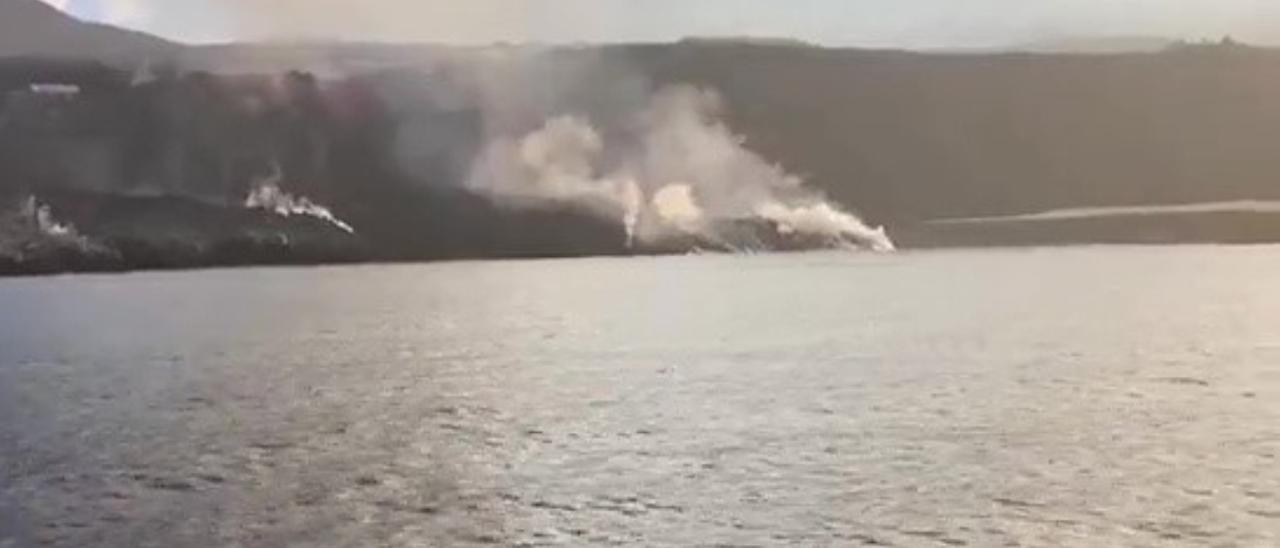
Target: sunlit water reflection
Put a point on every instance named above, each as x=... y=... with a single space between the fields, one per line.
x=1082 y=397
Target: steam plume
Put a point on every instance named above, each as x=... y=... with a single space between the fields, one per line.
x=674 y=168
x=31 y=227
x=40 y=216
x=267 y=195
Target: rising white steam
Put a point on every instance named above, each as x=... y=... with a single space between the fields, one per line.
x=676 y=206
x=822 y=219
x=267 y=195
x=675 y=167
x=32 y=222
x=40 y=217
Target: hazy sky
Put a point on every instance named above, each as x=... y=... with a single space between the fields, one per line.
x=903 y=23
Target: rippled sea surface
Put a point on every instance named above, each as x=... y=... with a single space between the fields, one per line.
x=1069 y=397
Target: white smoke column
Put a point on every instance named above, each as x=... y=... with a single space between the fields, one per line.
x=632 y=202
x=558 y=163
x=686 y=139
x=268 y=196
x=675 y=167
x=676 y=205
x=823 y=219
x=41 y=217
x=34 y=222
x=561 y=159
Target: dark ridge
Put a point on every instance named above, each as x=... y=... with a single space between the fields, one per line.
x=906 y=136
x=1219 y=227
x=30 y=28
x=153 y=171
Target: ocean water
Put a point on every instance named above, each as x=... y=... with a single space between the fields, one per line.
x=1109 y=396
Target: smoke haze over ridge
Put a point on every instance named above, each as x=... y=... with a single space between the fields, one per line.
x=437 y=152
x=875 y=23
x=595 y=134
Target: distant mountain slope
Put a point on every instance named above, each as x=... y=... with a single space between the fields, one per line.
x=899 y=135
x=30 y=28
x=387 y=136
x=1097 y=44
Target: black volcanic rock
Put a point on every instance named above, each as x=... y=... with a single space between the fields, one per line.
x=106 y=232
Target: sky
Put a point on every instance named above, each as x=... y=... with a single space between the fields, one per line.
x=874 y=23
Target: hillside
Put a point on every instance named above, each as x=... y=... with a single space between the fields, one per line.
x=904 y=136
x=388 y=137
x=30 y=28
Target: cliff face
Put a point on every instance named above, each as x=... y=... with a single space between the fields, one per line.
x=384 y=138
x=198 y=169
x=906 y=136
